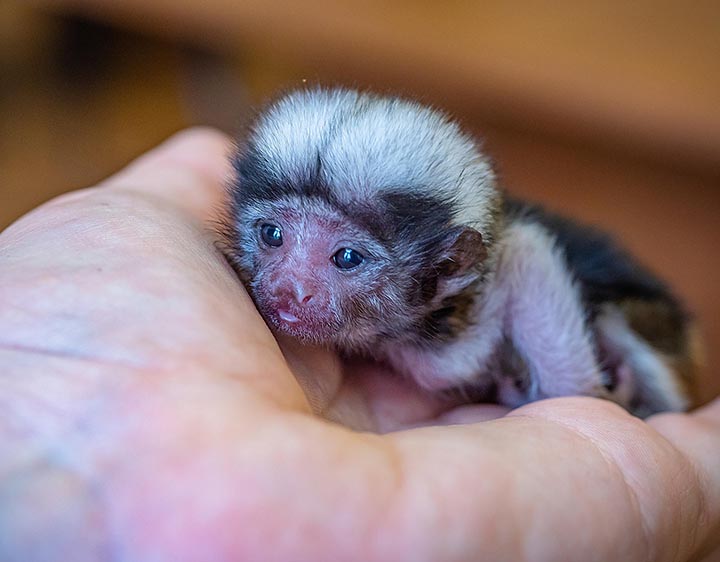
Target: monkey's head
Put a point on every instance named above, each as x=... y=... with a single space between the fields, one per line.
x=356 y=217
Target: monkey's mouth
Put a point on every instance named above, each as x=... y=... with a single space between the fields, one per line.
x=287 y=316
x=300 y=324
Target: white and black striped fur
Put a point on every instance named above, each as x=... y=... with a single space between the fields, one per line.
x=458 y=286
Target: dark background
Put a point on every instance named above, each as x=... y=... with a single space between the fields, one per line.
x=608 y=111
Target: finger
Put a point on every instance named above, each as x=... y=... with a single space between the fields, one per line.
x=317 y=370
x=589 y=464
x=190 y=170
x=697 y=435
x=473 y=413
x=709 y=413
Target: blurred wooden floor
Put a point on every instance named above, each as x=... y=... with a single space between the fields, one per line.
x=65 y=126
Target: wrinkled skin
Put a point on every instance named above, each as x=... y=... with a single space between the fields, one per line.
x=148 y=414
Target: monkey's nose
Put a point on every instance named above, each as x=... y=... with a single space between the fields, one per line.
x=302 y=297
x=302 y=294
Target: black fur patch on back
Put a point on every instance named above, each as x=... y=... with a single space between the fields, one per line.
x=610 y=275
x=605 y=271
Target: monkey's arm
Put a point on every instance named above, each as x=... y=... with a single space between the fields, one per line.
x=547 y=336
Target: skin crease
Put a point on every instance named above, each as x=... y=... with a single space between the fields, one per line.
x=148 y=414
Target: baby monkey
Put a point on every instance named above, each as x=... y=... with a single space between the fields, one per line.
x=375 y=226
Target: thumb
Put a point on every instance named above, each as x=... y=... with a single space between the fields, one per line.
x=118 y=275
x=190 y=170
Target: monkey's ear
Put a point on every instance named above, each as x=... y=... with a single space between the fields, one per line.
x=464 y=249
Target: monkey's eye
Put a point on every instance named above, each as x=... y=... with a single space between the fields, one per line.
x=347 y=258
x=271 y=235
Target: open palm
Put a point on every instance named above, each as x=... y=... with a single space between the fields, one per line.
x=148 y=414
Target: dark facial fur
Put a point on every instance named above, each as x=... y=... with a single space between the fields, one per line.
x=394 y=181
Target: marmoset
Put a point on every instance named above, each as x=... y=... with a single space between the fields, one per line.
x=375 y=226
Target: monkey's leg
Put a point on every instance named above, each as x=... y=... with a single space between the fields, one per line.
x=546 y=320
x=647 y=379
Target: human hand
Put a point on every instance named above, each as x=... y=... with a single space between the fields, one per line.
x=148 y=414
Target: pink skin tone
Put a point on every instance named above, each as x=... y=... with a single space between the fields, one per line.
x=300 y=290
x=295 y=291
x=148 y=414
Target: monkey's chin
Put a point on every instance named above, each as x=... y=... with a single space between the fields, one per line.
x=307 y=330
